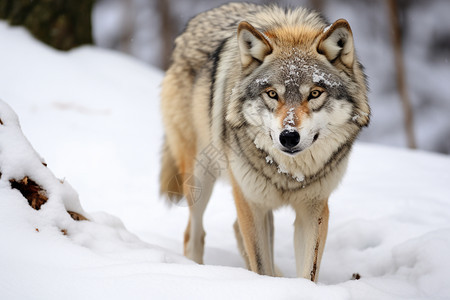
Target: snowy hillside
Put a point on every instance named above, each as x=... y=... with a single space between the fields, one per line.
x=93 y=115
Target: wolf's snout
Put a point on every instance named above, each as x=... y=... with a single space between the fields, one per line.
x=289 y=138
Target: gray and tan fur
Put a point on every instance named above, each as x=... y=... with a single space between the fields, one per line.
x=281 y=94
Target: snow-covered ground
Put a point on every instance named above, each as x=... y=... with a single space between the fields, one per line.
x=94 y=116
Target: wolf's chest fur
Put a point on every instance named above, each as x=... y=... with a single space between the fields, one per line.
x=273 y=181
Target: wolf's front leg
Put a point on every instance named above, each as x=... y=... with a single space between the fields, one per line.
x=310 y=234
x=256 y=228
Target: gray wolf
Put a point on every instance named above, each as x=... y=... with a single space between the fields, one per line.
x=280 y=97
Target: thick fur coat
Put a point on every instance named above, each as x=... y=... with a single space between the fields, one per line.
x=271 y=99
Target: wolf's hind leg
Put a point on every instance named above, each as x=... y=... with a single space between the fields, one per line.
x=197 y=195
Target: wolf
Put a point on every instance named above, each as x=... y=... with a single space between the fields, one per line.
x=271 y=99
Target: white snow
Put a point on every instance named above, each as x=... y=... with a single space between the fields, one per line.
x=262 y=81
x=94 y=116
x=298 y=177
x=282 y=169
x=257 y=143
x=288 y=122
x=290 y=67
x=319 y=76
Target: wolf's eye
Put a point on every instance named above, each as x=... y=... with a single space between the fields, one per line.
x=314 y=94
x=272 y=94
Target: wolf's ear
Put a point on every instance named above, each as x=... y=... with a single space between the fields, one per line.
x=253 y=45
x=336 y=44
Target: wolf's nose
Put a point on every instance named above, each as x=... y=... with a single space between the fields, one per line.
x=289 y=138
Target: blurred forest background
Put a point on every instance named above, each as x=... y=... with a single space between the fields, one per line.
x=404 y=45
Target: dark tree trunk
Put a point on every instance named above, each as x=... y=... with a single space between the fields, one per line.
x=167 y=30
x=396 y=33
x=62 y=24
x=128 y=30
x=317 y=5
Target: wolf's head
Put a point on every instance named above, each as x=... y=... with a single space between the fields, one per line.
x=300 y=86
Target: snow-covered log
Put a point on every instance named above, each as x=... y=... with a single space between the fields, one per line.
x=27 y=173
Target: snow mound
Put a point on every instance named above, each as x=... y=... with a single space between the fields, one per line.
x=102 y=233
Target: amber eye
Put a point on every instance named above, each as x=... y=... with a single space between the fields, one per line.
x=315 y=94
x=272 y=94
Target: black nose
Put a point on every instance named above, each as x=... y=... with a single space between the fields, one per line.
x=289 y=138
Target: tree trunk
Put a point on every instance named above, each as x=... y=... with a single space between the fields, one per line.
x=62 y=24
x=317 y=5
x=167 y=31
x=400 y=73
